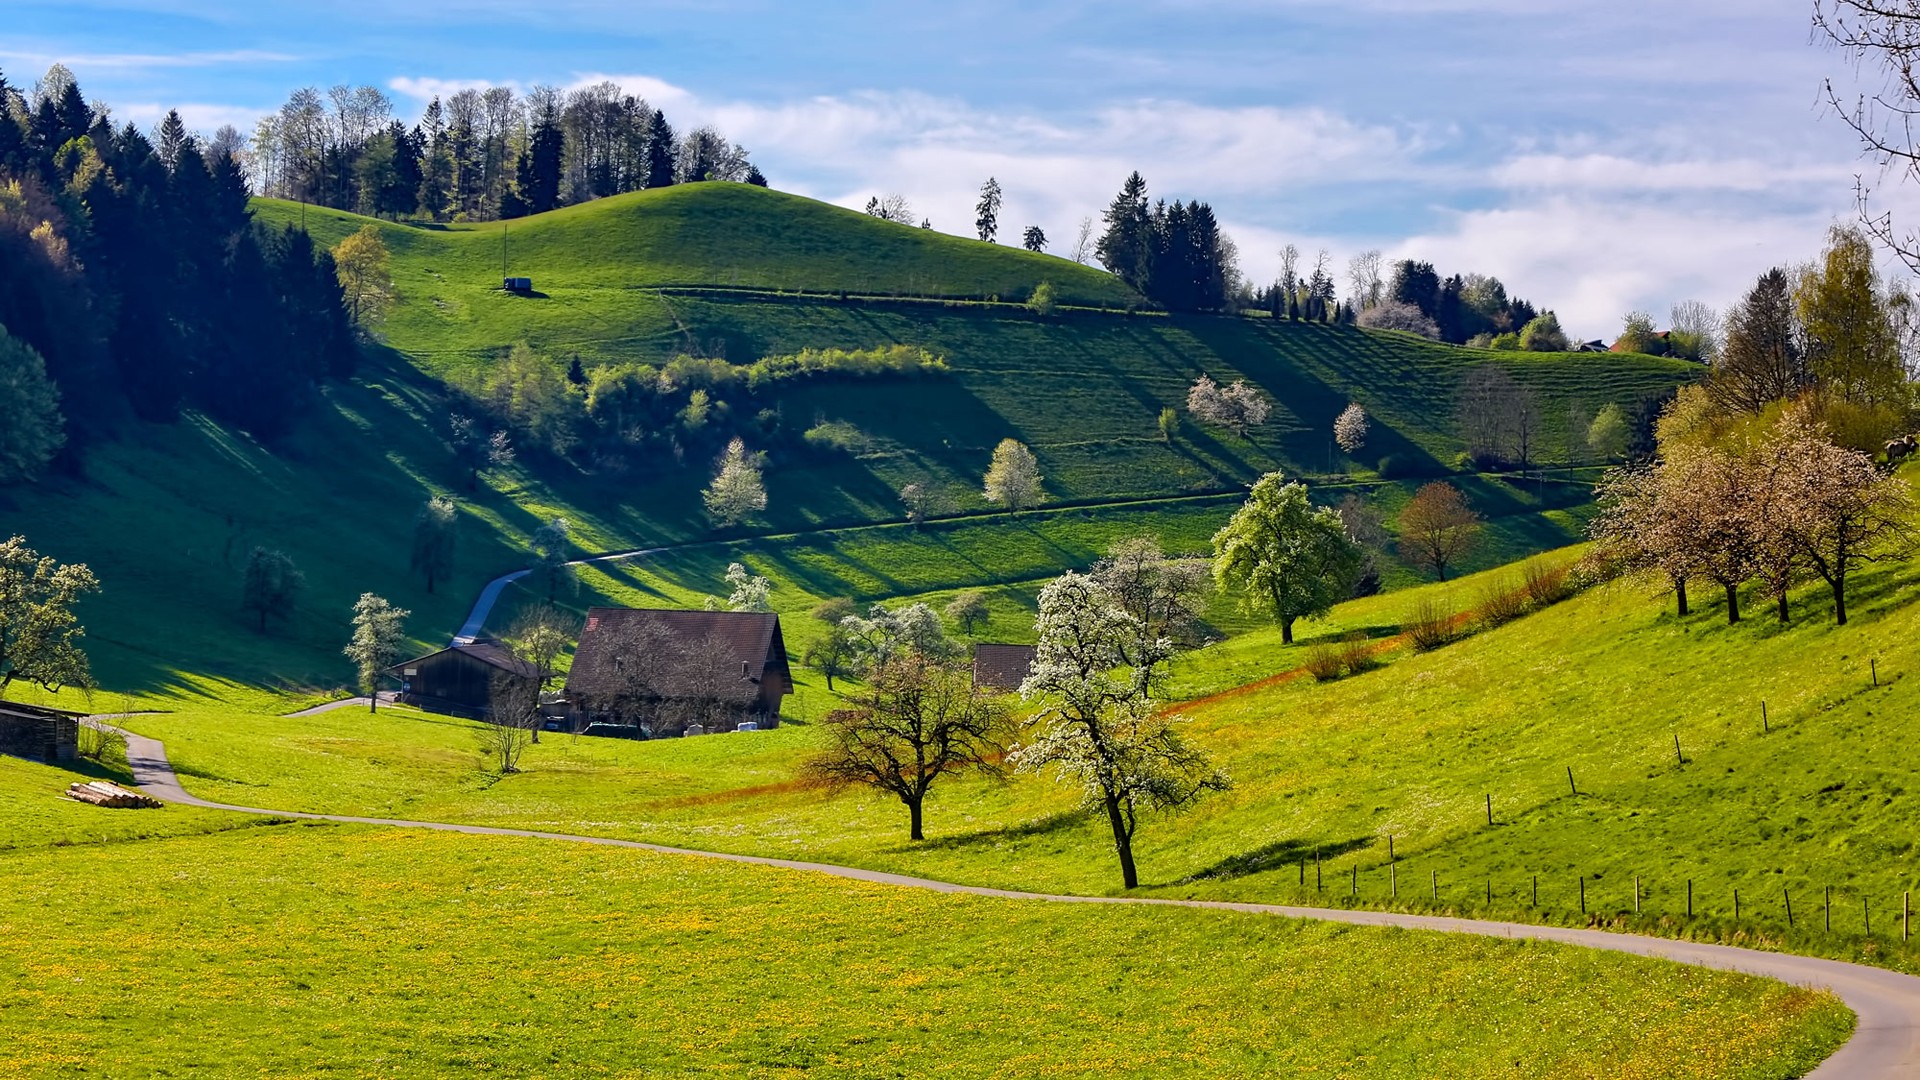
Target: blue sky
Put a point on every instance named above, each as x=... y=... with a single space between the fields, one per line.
x=1596 y=156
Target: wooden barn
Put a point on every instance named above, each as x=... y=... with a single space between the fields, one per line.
x=39 y=733
x=679 y=672
x=1001 y=667
x=458 y=680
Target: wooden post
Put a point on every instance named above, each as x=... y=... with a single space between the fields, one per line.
x=1583 y=894
x=1689 y=898
x=1317 y=886
x=1906 y=913
x=1355 y=891
x=1829 y=909
x=1682 y=758
x=1736 y=905
x=1393 y=881
x=1574 y=790
x=1874 y=666
x=1389 y=847
x=1489 y=808
x=1763 y=718
x=1636 y=894
x=1489 y=892
x=1303 y=873
x=1536 y=890
x=1788 y=897
x=1866 y=917
x=1436 y=886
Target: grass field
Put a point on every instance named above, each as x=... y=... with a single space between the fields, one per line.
x=298 y=950
x=37 y=815
x=1601 y=684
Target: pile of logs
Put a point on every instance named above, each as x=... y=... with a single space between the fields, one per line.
x=101 y=793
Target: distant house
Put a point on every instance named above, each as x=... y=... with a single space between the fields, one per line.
x=1001 y=667
x=671 y=672
x=39 y=733
x=1596 y=345
x=458 y=680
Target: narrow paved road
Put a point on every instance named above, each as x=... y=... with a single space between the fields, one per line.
x=1885 y=1045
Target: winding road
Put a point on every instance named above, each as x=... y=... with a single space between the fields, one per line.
x=1884 y=1046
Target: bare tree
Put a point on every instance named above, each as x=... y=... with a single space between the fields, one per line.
x=919 y=720
x=1365 y=287
x=1083 y=241
x=1438 y=528
x=513 y=717
x=1499 y=418
x=1876 y=34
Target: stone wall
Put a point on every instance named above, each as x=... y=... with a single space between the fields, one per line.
x=52 y=739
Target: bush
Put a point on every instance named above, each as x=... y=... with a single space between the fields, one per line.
x=1499 y=604
x=1547 y=584
x=1324 y=662
x=1394 y=315
x=1508 y=342
x=1356 y=654
x=1042 y=302
x=1543 y=334
x=838 y=435
x=1394 y=467
x=1429 y=624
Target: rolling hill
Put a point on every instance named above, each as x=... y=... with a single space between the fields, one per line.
x=167 y=514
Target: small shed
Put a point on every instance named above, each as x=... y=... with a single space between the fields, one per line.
x=458 y=680
x=517 y=284
x=670 y=672
x=39 y=733
x=1001 y=667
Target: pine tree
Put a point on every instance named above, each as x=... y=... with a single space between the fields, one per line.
x=987 y=214
x=1126 y=249
x=541 y=186
x=662 y=152
x=173 y=136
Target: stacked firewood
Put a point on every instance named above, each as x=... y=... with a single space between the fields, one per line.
x=102 y=793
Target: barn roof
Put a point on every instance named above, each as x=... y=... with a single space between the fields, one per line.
x=487 y=651
x=1001 y=667
x=38 y=712
x=744 y=646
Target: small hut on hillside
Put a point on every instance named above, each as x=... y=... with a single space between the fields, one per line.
x=1001 y=667
x=39 y=733
x=670 y=672
x=458 y=680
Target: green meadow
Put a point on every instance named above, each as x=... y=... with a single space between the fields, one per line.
x=300 y=950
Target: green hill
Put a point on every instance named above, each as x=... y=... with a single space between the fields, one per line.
x=167 y=515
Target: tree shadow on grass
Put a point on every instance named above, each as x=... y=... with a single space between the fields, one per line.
x=986 y=838
x=1280 y=853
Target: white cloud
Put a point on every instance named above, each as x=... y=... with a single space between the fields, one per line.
x=204 y=119
x=1616 y=173
x=426 y=89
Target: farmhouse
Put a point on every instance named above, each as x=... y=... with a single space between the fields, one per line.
x=458 y=680
x=679 y=672
x=1001 y=667
x=31 y=731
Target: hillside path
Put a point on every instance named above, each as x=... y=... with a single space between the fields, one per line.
x=1885 y=1044
x=386 y=698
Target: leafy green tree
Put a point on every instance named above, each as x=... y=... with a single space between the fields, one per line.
x=1637 y=334
x=31 y=427
x=1013 y=478
x=1042 y=301
x=986 y=217
x=1609 y=436
x=366 y=275
x=1034 y=239
x=539 y=635
x=1169 y=424
x=1097 y=724
x=435 y=529
x=737 y=491
x=1543 y=334
x=1284 y=557
x=1437 y=527
x=379 y=630
x=270 y=585
x=38 y=629
x=1852 y=347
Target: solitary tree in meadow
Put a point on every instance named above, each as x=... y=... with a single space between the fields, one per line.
x=737 y=491
x=1237 y=406
x=39 y=632
x=747 y=591
x=1034 y=239
x=1438 y=528
x=1096 y=724
x=986 y=217
x=552 y=555
x=968 y=610
x=1350 y=427
x=1608 y=436
x=1013 y=478
x=270 y=585
x=379 y=630
x=918 y=720
x=1283 y=557
x=435 y=528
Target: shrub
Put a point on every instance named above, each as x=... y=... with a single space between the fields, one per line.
x=1429 y=624
x=838 y=435
x=1324 y=662
x=1507 y=342
x=1356 y=654
x=1547 y=584
x=1543 y=334
x=1042 y=301
x=1395 y=315
x=1499 y=604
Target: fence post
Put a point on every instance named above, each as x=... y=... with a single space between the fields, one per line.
x=1636 y=894
x=1318 y=886
x=1583 y=894
x=1536 y=890
x=1763 y=719
x=1906 y=913
x=1788 y=897
x=1436 y=886
x=1303 y=873
x=1682 y=758
x=1489 y=808
x=1874 y=666
x=1689 y=898
x=1866 y=916
x=1736 y=905
x=1355 y=891
x=1393 y=882
x=1489 y=892
x=1570 y=786
x=1829 y=909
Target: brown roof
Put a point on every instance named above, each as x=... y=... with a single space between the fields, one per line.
x=1001 y=667
x=738 y=647
x=38 y=712
x=487 y=651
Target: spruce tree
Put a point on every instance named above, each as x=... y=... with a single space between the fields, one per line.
x=662 y=153
x=1126 y=248
x=987 y=213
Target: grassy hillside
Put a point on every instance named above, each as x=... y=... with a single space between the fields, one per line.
x=515 y=958
x=1601 y=684
x=167 y=515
